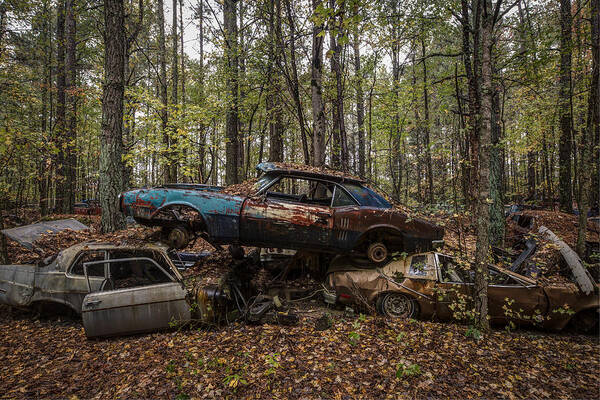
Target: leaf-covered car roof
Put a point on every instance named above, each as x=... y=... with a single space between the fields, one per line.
x=308 y=171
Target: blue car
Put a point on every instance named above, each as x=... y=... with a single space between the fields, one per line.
x=289 y=206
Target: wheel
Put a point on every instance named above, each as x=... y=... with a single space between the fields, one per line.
x=397 y=305
x=178 y=237
x=377 y=252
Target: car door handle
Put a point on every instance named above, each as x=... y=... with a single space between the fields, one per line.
x=93 y=303
x=324 y=214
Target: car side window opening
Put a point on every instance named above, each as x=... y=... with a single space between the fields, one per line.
x=341 y=198
x=301 y=190
x=454 y=273
x=420 y=267
x=94 y=270
x=135 y=273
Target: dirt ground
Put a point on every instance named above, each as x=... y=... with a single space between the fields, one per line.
x=356 y=358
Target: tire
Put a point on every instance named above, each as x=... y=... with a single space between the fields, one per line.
x=377 y=253
x=397 y=305
x=178 y=237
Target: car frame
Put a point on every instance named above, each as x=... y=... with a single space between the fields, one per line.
x=437 y=291
x=352 y=218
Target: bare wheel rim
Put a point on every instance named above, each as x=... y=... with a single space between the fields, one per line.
x=398 y=306
x=377 y=252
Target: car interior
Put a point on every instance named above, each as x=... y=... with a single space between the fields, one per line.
x=307 y=191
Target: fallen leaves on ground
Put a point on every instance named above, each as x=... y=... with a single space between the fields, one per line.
x=357 y=358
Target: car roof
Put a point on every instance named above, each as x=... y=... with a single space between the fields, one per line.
x=307 y=171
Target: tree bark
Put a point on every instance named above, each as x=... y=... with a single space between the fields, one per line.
x=273 y=100
x=340 y=141
x=162 y=78
x=483 y=176
x=426 y=127
x=294 y=84
x=71 y=104
x=173 y=156
x=111 y=140
x=316 y=86
x=60 y=125
x=564 y=98
x=231 y=122
x=360 y=102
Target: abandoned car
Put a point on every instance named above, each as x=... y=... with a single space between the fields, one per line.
x=116 y=289
x=121 y=290
x=432 y=285
x=289 y=206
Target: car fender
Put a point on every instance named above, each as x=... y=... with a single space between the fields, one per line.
x=379 y=227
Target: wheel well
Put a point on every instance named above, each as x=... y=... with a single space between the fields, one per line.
x=173 y=215
x=54 y=308
x=586 y=321
x=386 y=235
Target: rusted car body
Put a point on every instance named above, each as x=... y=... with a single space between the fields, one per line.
x=87 y=207
x=289 y=208
x=432 y=285
x=116 y=289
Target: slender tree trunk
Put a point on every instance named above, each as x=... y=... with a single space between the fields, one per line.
x=483 y=176
x=202 y=126
x=162 y=78
x=273 y=100
x=293 y=82
x=360 y=103
x=340 y=148
x=174 y=156
x=316 y=85
x=184 y=155
x=71 y=104
x=231 y=122
x=426 y=128
x=497 y=221
x=111 y=140
x=564 y=152
x=60 y=125
x=44 y=165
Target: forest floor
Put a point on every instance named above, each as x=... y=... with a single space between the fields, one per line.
x=364 y=357
x=357 y=357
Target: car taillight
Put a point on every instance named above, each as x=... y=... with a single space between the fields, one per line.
x=345 y=296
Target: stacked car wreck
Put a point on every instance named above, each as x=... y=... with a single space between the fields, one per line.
x=367 y=253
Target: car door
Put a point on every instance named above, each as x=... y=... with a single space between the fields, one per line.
x=453 y=289
x=295 y=213
x=514 y=298
x=138 y=295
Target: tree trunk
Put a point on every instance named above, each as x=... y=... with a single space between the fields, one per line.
x=162 y=78
x=231 y=122
x=173 y=162
x=274 y=107
x=564 y=98
x=111 y=141
x=340 y=147
x=497 y=221
x=316 y=86
x=294 y=84
x=483 y=176
x=60 y=125
x=426 y=128
x=44 y=165
x=71 y=104
x=360 y=103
